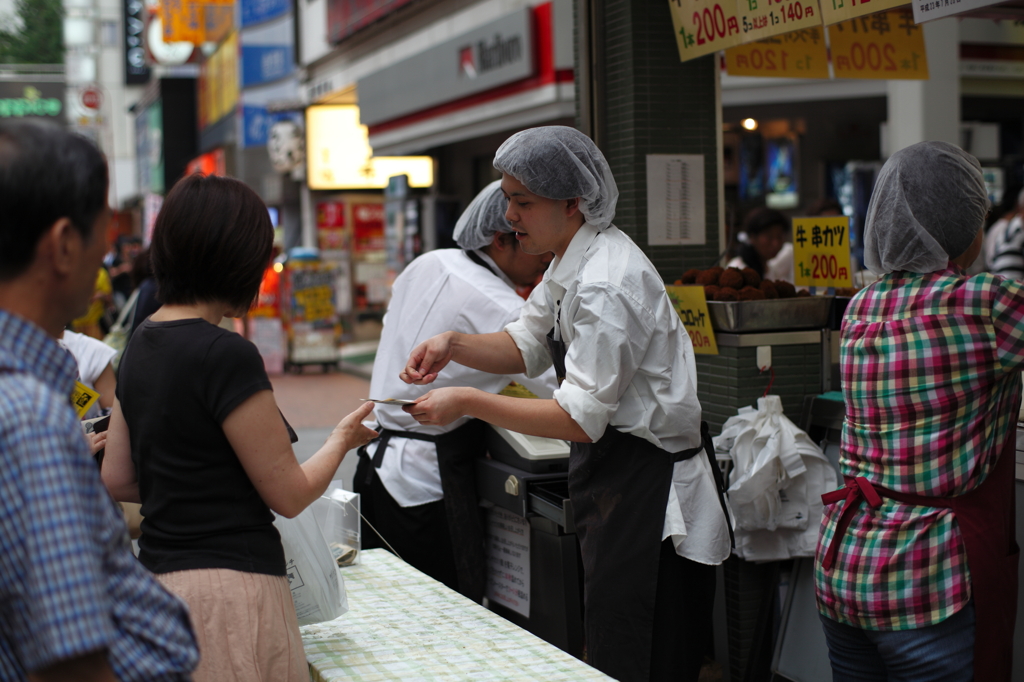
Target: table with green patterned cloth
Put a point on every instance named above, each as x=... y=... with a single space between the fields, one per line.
x=403 y=625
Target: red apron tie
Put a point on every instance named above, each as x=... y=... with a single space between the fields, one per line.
x=854 y=490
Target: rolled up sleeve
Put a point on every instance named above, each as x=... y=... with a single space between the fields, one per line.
x=611 y=334
x=529 y=331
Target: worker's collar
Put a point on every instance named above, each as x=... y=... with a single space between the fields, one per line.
x=564 y=270
x=493 y=267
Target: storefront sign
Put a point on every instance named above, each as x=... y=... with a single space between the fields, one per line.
x=800 y=54
x=211 y=163
x=886 y=45
x=257 y=121
x=312 y=291
x=266 y=63
x=833 y=11
x=345 y=17
x=257 y=11
x=692 y=306
x=494 y=54
x=764 y=18
x=368 y=227
x=136 y=71
x=20 y=99
x=821 y=252
x=508 y=560
x=196 y=21
x=218 y=83
x=330 y=226
x=705 y=26
x=675 y=200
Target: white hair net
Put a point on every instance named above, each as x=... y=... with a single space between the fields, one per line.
x=927 y=206
x=557 y=162
x=482 y=219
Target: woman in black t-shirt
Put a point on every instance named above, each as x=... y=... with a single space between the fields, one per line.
x=196 y=436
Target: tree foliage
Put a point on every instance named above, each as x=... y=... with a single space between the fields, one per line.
x=39 y=39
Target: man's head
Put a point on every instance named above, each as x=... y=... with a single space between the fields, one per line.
x=53 y=221
x=212 y=242
x=555 y=178
x=927 y=207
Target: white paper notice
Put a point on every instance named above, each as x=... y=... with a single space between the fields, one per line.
x=675 y=200
x=927 y=10
x=508 y=560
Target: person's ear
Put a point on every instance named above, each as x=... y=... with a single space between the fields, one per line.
x=572 y=206
x=62 y=246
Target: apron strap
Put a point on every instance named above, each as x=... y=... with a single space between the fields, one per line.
x=384 y=436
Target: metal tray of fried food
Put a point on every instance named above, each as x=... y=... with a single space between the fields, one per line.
x=776 y=314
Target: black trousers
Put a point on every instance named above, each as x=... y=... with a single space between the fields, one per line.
x=682 y=616
x=419 y=534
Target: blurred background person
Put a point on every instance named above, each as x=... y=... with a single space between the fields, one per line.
x=95 y=318
x=762 y=237
x=196 y=436
x=120 y=268
x=418 y=482
x=144 y=283
x=1004 y=243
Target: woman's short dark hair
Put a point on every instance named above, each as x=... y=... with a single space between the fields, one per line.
x=211 y=242
x=46 y=173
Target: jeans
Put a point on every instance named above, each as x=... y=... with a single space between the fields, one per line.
x=943 y=652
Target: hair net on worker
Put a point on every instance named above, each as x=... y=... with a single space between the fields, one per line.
x=557 y=162
x=482 y=219
x=927 y=206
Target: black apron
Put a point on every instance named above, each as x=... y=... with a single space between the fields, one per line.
x=619 y=487
x=457 y=452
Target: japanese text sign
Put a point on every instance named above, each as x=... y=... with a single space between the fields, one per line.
x=705 y=26
x=821 y=251
x=926 y=10
x=82 y=398
x=765 y=18
x=834 y=11
x=886 y=45
x=799 y=54
x=692 y=307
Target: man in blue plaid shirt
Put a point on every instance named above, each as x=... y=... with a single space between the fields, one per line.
x=74 y=602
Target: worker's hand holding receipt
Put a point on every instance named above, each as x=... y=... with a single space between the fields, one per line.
x=428 y=359
x=439 y=407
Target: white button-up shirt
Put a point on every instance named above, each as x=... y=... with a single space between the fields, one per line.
x=440 y=291
x=629 y=364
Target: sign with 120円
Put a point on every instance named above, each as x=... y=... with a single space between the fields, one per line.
x=760 y=19
x=692 y=307
x=886 y=45
x=798 y=54
x=705 y=26
x=821 y=252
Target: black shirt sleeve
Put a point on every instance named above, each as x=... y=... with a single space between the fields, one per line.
x=235 y=372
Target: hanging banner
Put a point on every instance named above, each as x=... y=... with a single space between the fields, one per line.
x=834 y=11
x=798 y=54
x=821 y=252
x=692 y=307
x=196 y=21
x=765 y=18
x=705 y=26
x=887 y=45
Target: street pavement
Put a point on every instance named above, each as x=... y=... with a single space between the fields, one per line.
x=313 y=403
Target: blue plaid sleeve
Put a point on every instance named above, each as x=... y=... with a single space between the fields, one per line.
x=55 y=604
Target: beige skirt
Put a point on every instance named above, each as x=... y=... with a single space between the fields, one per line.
x=245 y=624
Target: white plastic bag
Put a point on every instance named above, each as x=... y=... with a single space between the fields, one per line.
x=775 y=484
x=318 y=590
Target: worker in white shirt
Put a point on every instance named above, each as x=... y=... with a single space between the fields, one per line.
x=646 y=491
x=418 y=482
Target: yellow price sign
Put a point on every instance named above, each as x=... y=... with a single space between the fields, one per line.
x=314 y=304
x=821 y=251
x=82 y=398
x=798 y=54
x=765 y=18
x=834 y=11
x=704 y=26
x=886 y=45
x=692 y=307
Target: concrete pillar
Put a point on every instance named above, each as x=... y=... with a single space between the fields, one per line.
x=929 y=110
x=636 y=98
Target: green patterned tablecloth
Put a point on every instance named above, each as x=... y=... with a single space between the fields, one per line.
x=403 y=625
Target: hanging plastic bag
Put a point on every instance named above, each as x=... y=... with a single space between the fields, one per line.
x=775 y=483
x=318 y=590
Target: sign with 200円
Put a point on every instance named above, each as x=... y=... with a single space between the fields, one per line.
x=799 y=54
x=764 y=18
x=692 y=307
x=705 y=26
x=821 y=251
x=886 y=45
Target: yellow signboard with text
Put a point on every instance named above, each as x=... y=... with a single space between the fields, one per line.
x=821 y=252
x=692 y=307
x=798 y=54
x=705 y=26
x=886 y=45
x=834 y=11
x=765 y=18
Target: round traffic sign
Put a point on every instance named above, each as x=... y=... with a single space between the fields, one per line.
x=92 y=98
